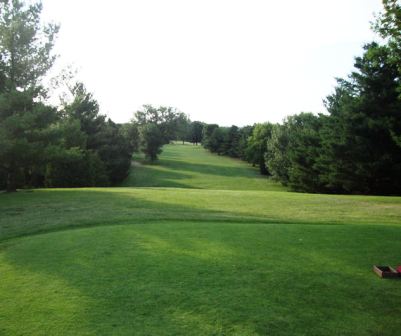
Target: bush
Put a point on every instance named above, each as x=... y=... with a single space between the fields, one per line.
x=76 y=168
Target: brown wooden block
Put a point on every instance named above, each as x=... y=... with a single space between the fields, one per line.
x=386 y=272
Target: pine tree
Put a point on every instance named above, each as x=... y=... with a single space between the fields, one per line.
x=25 y=57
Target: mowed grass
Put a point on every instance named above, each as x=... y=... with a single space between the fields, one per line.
x=191 y=278
x=188 y=261
x=189 y=166
x=39 y=211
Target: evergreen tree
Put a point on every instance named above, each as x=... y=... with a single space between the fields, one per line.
x=207 y=133
x=25 y=57
x=25 y=137
x=361 y=153
x=216 y=140
x=104 y=138
x=303 y=151
x=231 y=143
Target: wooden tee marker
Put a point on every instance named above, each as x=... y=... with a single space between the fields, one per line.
x=387 y=272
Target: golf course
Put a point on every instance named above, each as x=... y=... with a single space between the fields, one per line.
x=197 y=244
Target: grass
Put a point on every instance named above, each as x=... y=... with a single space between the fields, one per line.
x=189 y=166
x=30 y=212
x=254 y=260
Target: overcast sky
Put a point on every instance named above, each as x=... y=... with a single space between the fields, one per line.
x=225 y=61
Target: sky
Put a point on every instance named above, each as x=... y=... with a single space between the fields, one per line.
x=220 y=61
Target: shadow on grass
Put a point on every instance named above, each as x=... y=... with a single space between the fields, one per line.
x=175 y=165
x=210 y=169
x=213 y=280
x=31 y=213
x=26 y=213
x=150 y=175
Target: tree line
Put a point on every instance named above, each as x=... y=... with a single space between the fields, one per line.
x=355 y=147
x=71 y=145
x=41 y=145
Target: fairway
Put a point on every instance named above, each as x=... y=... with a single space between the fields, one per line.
x=197 y=244
x=189 y=166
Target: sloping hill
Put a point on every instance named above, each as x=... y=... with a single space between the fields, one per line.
x=188 y=166
x=205 y=247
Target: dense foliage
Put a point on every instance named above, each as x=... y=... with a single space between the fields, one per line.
x=25 y=57
x=356 y=146
x=158 y=126
x=69 y=146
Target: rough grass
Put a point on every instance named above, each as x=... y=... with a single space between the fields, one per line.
x=176 y=261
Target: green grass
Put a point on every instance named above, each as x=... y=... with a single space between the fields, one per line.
x=29 y=212
x=189 y=166
x=253 y=260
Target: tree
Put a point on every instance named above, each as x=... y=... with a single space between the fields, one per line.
x=230 y=145
x=70 y=163
x=244 y=134
x=25 y=57
x=360 y=151
x=115 y=151
x=257 y=146
x=172 y=124
x=277 y=160
x=182 y=127
x=216 y=140
x=207 y=133
x=25 y=46
x=76 y=167
x=103 y=137
x=303 y=152
x=25 y=128
x=388 y=25
x=151 y=141
x=195 y=132
x=130 y=132
x=85 y=109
